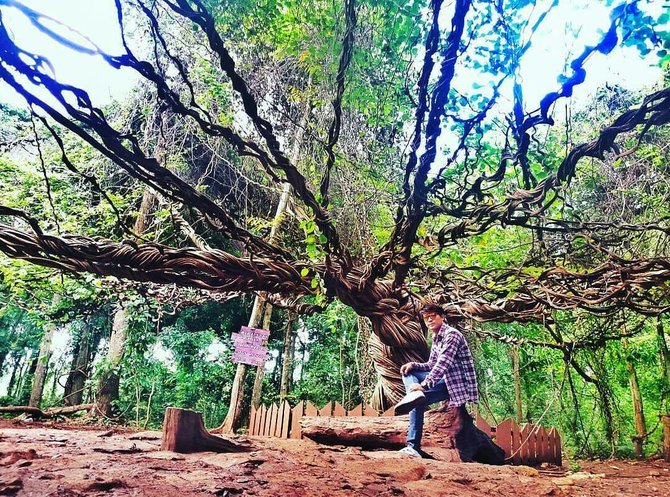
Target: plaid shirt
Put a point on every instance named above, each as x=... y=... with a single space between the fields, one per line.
x=450 y=358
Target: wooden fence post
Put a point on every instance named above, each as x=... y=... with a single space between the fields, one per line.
x=504 y=437
x=370 y=411
x=296 y=415
x=356 y=411
x=338 y=410
x=285 y=410
x=326 y=410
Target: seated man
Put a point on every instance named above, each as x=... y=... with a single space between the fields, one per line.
x=449 y=375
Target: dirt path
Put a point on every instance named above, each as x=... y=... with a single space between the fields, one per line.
x=45 y=461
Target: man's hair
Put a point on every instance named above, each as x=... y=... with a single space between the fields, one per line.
x=432 y=309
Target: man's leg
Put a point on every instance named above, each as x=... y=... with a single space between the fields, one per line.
x=435 y=394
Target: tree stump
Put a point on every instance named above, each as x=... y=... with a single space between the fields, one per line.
x=447 y=430
x=184 y=432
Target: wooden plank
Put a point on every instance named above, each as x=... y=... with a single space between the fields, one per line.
x=311 y=410
x=338 y=410
x=280 y=419
x=261 y=422
x=504 y=436
x=370 y=411
x=252 y=420
x=516 y=443
x=542 y=449
x=356 y=411
x=296 y=414
x=483 y=425
x=555 y=446
x=388 y=412
x=559 y=449
x=326 y=410
x=527 y=444
x=286 y=419
x=272 y=421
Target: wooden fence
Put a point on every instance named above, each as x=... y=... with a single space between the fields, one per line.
x=529 y=444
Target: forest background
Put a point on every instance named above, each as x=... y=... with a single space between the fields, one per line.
x=133 y=349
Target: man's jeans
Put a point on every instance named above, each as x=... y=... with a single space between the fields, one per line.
x=435 y=394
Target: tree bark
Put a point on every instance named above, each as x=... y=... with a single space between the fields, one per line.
x=451 y=429
x=76 y=378
x=184 y=432
x=231 y=422
x=665 y=354
x=638 y=411
x=287 y=366
x=38 y=413
x=666 y=437
x=260 y=370
x=108 y=386
x=517 y=385
x=43 y=360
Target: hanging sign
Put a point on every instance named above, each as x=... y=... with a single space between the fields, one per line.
x=250 y=346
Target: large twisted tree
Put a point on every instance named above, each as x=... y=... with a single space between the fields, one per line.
x=408 y=126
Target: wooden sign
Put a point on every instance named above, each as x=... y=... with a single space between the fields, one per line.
x=250 y=346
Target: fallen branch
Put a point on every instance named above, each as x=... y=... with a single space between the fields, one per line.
x=38 y=413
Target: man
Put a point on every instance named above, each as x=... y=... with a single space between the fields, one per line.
x=449 y=375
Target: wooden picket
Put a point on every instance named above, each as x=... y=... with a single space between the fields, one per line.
x=529 y=444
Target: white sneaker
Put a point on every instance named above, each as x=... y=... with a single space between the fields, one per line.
x=409 y=402
x=410 y=452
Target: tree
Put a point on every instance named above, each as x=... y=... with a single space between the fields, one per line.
x=427 y=159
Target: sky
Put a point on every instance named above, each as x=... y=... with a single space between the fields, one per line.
x=96 y=19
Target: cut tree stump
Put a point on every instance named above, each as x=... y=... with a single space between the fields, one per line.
x=449 y=430
x=184 y=432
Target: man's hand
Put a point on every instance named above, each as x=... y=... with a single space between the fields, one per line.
x=416 y=387
x=406 y=369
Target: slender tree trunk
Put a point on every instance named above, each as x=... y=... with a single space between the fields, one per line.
x=260 y=370
x=43 y=360
x=237 y=394
x=287 y=367
x=517 y=384
x=638 y=412
x=76 y=378
x=16 y=367
x=108 y=386
x=665 y=354
x=235 y=410
x=26 y=378
x=666 y=437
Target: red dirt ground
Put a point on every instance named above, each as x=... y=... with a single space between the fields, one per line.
x=44 y=460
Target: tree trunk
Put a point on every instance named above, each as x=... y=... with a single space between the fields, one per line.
x=397 y=335
x=365 y=366
x=108 y=386
x=452 y=429
x=237 y=394
x=16 y=367
x=638 y=412
x=665 y=355
x=184 y=432
x=287 y=366
x=517 y=384
x=76 y=378
x=666 y=437
x=260 y=370
x=43 y=360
